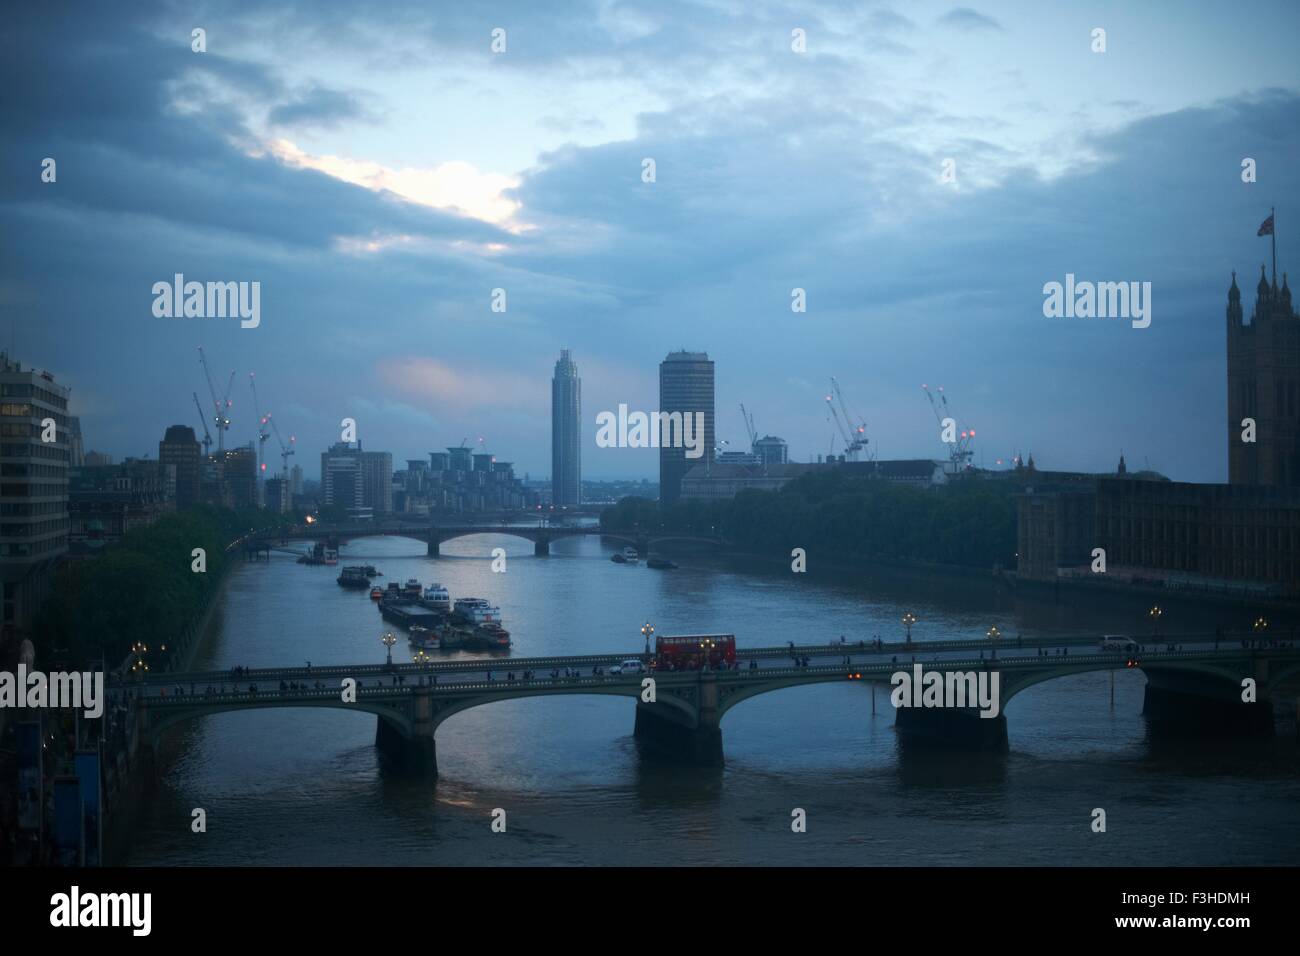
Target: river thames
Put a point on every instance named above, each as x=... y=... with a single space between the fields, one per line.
x=303 y=787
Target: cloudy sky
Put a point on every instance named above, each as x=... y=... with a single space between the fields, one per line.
x=380 y=173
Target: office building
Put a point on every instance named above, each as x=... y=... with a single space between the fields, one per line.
x=566 y=433
x=240 y=477
x=685 y=386
x=770 y=450
x=340 y=477
x=33 y=487
x=357 y=479
x=277 y=495
x=179 y=447
x=107 y=501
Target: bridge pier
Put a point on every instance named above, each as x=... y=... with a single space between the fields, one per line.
x=416 y=755
x=948 y=727
x=541 y=547
x=667 y=732
x=1195 y=704
x=432 y=550
x=666 y=737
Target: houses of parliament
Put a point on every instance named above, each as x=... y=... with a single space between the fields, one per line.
x=1240 y=539
x=1264 y=387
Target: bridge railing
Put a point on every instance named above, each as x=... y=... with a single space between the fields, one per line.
x=632 y=682
x=1004 y=646
x=258 y=674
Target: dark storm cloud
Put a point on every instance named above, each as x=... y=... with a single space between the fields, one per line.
x=104 y=110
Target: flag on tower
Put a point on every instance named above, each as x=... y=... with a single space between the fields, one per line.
x=1266 y=227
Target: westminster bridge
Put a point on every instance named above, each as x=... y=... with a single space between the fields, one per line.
x=1193 y=681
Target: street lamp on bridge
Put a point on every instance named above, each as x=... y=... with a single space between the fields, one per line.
x=388 y=641
x=993 y=636
x=1261 y=625
x=139 y=650
x=647 y=631
x=908 y=620
x=1154 y=614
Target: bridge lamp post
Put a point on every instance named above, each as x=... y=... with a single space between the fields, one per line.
x=647 y=631
x=389 y=640
x=139 y=650
x=1261 y=625
x=908 y=620
x=1155 y=613
x=993 y=636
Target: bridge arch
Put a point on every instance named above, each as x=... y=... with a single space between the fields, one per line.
x=1023 y=681
x=508 y=692
x=1284 y=673
x=169 y=717
x=729 y=694
x=443 y=535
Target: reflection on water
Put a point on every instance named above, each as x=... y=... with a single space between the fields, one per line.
x=305 y=787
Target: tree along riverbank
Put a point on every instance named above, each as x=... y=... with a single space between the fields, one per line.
x=965 y=524
x=144 y=600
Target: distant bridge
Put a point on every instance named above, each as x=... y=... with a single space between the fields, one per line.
x=1202 y=683
x=434 y=535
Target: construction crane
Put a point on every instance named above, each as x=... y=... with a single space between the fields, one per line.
x=854 y=435
x=285 y=450
x=262 y=434
x=749 y=427
x=959 y=449
x=220 y=406
x=203 y=419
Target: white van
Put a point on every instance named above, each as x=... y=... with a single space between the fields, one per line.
x=1118 y=642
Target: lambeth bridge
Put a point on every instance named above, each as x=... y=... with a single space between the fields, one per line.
x=1195 y=683
x=434 y=535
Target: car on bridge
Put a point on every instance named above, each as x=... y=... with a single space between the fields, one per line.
x=1119 y=642
x=630 y=666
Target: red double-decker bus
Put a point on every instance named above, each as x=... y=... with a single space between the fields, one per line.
x=690 y=652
